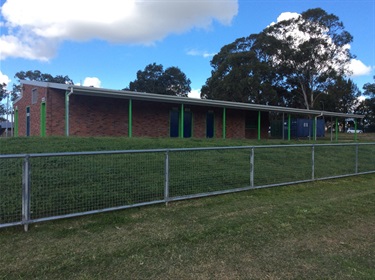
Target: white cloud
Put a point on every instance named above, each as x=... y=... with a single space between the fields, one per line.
x=35 y=28
x=286 y=16
x=358 y=68
x=195 y=93
x=4 y=79
x=195 y=52
x=92 y=82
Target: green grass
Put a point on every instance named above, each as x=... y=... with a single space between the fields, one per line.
x=79 y=144
x=69 y=184
x=319 y=230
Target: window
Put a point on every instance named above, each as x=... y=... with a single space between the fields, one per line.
x=34 y=96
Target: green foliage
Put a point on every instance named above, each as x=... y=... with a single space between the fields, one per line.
x=367 y=107
x=242 y=74
x=2 y=96
x=36 y=75
x=341 y=96
x=153 y=79
x=369 y=89
x=289 y=63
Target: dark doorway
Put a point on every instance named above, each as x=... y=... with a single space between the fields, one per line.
x=27 y=121
x=210 y=125
x=174 y=123
x=188 y=123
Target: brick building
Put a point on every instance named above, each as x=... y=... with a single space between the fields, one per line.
x=60 y=109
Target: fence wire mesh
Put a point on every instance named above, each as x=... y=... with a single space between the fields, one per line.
x=333 y=161
x=274 y=165
x=10 y=190
x=72 y=184
x=203 y=171
x=366 y=158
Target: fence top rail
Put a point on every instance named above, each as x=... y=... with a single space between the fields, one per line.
x=62 y=154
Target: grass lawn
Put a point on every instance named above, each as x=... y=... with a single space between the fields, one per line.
x=79 y=144
x=320 y=230
x=317 y=230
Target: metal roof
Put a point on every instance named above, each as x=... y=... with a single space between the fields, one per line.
x=92 y=91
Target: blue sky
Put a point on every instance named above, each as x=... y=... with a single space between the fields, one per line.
x=104 y=43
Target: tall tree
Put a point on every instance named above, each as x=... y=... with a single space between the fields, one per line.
x=290 y=63
x=313 y=50
x=242 y=74
x=153 y=79
x=36 y=75
x=369 y=89
x=342 y=96
x=367 y=106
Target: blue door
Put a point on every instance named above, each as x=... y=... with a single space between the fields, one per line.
x=27 y=121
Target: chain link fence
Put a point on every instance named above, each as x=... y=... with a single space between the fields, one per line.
x=41 y=187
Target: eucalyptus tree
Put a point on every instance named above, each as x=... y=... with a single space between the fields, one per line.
x=312 y=51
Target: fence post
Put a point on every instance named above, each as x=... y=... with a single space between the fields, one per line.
x=166 y=178
x=313 y=162
x=356 y=158
x=252 y=167
x=26 y=192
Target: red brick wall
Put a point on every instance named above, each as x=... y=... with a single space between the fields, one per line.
x=235 y=124
x=100 y=116
x=55 y=124
x=151 y=119
x=199 y=121
x=97 y=116
x=26 y=101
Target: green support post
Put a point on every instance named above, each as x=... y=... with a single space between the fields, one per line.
x=224 y=123
x=130 y=119
x=337 y=129
x=289 y=124
x=43 y=119
x=355 y=129
x=259 y=123
x=181 y=132
x=16 y=122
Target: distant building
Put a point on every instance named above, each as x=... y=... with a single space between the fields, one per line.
x=6 y=128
